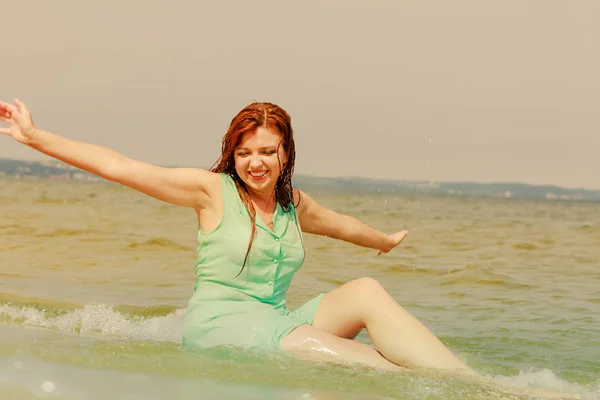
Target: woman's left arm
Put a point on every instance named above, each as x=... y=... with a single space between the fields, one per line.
x=319 y=220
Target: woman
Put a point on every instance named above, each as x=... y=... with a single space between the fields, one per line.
x=250 y=245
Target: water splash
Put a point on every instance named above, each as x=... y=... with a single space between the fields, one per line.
x=548 y=381
x=101 y=319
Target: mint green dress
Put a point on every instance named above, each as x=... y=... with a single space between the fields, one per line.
x=248 y=311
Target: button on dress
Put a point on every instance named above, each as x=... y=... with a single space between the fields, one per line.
x=249 y=310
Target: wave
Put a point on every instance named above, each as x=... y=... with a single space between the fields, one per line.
x=473 y=274
x=525 y=246
x=64 y=232
x=551 y=385
x=158 y=244
x=138 y=324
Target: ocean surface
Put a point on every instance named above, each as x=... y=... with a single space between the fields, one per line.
x=94 y=280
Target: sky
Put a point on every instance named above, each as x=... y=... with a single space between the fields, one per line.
x=481 y=91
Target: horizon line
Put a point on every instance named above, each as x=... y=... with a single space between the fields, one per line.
x=356 y=177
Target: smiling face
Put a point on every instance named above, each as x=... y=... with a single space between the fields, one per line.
x=259 y=159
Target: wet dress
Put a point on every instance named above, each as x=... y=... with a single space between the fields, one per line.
x=248 y=310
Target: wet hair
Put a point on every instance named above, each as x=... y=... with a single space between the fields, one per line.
x=252 y=117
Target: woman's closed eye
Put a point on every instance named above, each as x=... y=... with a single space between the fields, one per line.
x=264 y=152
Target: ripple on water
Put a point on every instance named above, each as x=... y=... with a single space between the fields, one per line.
x=525 y=246
x=484 y=276
x=587 y=228
x=17 y=229
x=157 y=244
x=63 y=232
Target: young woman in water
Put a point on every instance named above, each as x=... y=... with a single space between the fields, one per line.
x=250 y=245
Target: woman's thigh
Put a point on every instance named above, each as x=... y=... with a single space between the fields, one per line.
x=343 y=311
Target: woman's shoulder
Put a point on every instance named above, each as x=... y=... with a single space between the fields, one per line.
x=227 y=181
x=298 y=197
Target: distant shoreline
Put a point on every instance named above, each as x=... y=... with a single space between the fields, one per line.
x=58 y=171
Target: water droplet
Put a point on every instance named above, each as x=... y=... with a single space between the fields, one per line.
x=18 y=365
x=48 y=386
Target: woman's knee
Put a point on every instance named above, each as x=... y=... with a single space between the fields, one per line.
x=367 y=288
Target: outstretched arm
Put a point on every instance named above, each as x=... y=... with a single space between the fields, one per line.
x=319 y=220
x=180 y=186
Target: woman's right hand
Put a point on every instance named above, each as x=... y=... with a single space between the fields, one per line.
x=19 y=121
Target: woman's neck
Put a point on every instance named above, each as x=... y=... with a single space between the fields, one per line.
x=264 y=200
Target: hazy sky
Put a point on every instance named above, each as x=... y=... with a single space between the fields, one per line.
x=437 y=90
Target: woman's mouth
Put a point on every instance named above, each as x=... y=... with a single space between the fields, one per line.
x=257 y=175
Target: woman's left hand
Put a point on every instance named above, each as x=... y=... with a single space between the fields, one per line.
x=18 y=119
x=395 y=240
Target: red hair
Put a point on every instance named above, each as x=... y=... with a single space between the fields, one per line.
x=255 y=115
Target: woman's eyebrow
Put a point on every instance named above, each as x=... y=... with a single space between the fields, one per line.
x=260 y=148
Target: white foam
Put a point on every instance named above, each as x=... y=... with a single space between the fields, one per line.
x=102 y=319
x=547 y=380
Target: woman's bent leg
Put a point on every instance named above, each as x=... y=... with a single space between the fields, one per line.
x=400 y=337
x=316 y=344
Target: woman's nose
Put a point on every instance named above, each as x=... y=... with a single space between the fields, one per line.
x=255 y=161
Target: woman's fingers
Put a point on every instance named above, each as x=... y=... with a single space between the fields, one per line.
x=22 y=115
x=11 y=111
x=402 y=236
x=7 y=121
x=22 y=107
x=17 y=117
x=8 y=107
x=398 y=237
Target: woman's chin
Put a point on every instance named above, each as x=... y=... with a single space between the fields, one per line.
x=261 y=183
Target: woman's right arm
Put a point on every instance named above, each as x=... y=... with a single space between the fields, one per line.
x=181 y=186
